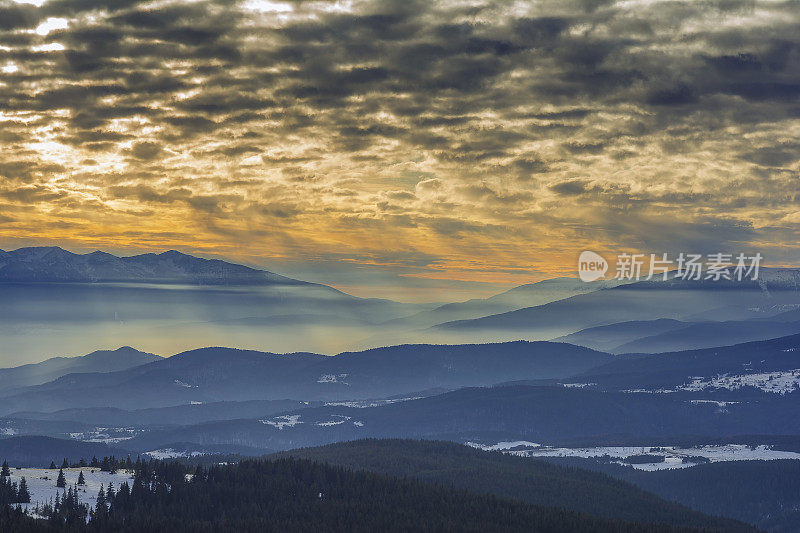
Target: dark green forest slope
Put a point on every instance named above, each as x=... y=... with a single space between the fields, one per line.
x=537 y=482
x=299 y=495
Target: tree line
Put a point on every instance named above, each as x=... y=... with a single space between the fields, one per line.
x=289 y=494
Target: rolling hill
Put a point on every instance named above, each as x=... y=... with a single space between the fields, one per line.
x=223 y=374
x=101 y=361
x=675 y=299
x=667 y=335
x=674 y=369
x=548 y=415
x=532 y=481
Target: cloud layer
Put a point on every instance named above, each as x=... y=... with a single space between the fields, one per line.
x=472 y=141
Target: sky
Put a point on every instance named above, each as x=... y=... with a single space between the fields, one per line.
x=421 y=151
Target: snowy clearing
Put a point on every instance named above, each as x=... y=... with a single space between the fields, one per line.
x=282 y=421
x=169 y=453
x=42 y=483
x=333 y=378
x=673 y=456
x=365 y=404
x=783 y=382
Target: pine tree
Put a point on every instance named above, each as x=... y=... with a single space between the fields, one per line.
x=61 y=482
x=65 y=463
x=24 y=494
x=100 y=508
x=52 y=465
x=81 y=480
x=5 y=472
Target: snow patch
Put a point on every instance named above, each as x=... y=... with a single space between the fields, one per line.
x=339 y=419
x=282 y=421
x=502 y=446
x=169 y=453
x=674 y=456
x=333 y=378
x=781 y=382
x=107 y=435
x=715 y=402
x=365 y=404
x=42 y=483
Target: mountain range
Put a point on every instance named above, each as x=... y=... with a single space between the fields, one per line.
x=223 y=374
x=644 y=365
x=100 y=361
x=666 y=335
x=774 y=292
x=54 y=264
x=170 y=302
x=542 y=391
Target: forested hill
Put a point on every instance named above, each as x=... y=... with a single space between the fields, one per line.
x=764 y=493
x=301 y=495
x=530 y=480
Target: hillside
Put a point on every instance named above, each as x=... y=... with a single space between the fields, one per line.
x=40 y=451
x=697 y=369
x=301 y=495
x=642 y=301
x=535 y=482
x=527 y=295
x=549 y=415
x=763 y=493
x=224 y=374
x=101 y=361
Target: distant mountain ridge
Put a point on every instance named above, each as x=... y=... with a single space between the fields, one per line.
x=527 y=295
x=101 y=361
x=672 y=369
x=54 y=264
x=666 y=335
x=224 y=374
x=776 y=290
x=550 y=415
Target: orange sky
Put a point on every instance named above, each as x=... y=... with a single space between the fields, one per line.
x=406 y=150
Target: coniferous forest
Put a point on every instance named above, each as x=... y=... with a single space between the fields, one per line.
x=289 y=494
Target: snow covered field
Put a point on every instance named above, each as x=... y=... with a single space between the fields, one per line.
x=42 y=483
x=170 y=453
x=776 y=382
x=283 y=421
x=107 y=434
x=673 y=456
x=365 y=404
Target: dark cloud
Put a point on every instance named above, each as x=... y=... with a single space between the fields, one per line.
x=146 y=150
x=584 y=147
x=570 y=187
x=15 y=16
x=775 y=156
x=443 y=119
